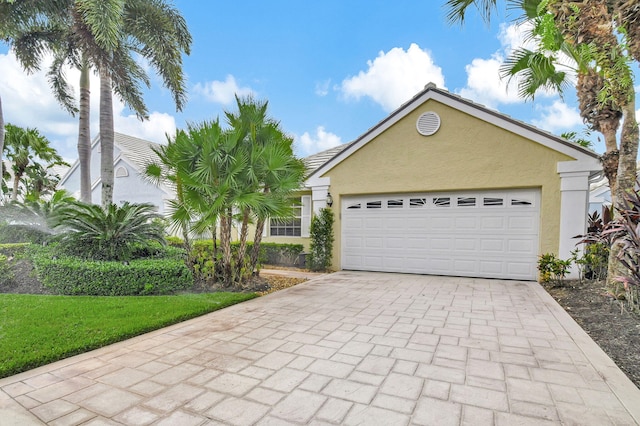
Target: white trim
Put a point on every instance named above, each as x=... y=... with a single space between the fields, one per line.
x=305 y=215
x=493 y=117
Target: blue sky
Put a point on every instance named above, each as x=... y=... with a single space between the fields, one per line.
x=330 y=70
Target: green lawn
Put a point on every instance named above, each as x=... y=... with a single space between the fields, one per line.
x=36 y=330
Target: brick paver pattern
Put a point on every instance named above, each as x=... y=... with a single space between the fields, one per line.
x=347 y=348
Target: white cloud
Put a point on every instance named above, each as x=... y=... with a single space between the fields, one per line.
x=222 y=92
x=322 y=88
x=154 y=129
x=310 y=144
x=558 y=117
x=27 y=101
x=394 y=77
x=484 y=84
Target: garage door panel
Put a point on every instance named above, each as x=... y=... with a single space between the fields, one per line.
x=372 y=262
x=492 y=223
x=492 y=245
x=373 y=223
x=353 y=243
x=443 y=243
x=417 y=243
x=374 y=242
x=521 y=246
x=393 y=224
x=479 y=233
x=395 y=243
x=466 y=223
x=396 y=263
x=441 y=222
x=466 y=244
x=522 y=223
x=353 y=223
x=491 y=267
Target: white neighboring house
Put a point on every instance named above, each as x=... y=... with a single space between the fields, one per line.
x=130 y=157
x=600 y=194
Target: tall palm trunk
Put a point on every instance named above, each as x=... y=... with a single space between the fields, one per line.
x=242 y=247
x=1 y=149
x=84 y=137
x=106 y=139
x=225 y=245
x=625 y=184
x=255 y=250
x=17 y=175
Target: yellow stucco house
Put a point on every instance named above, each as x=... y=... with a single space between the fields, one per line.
x=445 y=186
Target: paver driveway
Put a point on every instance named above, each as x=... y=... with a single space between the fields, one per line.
x=346 y=348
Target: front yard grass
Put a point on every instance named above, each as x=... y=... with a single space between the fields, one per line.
x=36 y=330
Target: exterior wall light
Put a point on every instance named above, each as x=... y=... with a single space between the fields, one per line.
x=329 y=199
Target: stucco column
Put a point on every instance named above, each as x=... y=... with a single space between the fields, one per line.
x=574 y=208
x=319 y=197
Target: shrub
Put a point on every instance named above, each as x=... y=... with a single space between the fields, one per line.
x=625 y=229
x=5 y=270
x=74 y=276
x=552 y=269
x=15 y=249
x=321 y=232
x=597 y=244
x=280 y=254
x=96 y=234
x=203 y=264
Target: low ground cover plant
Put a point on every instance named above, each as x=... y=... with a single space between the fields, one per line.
x=31 y=339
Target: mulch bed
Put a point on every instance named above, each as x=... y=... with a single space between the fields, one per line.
x=606 y=320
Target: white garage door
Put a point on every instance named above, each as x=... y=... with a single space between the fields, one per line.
x=490 y=234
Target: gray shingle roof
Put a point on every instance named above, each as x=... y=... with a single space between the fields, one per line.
x=314 y=161
x=137 y=151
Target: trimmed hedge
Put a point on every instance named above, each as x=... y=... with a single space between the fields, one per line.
x=14 y=249
x=73 y=276
x=5 y=270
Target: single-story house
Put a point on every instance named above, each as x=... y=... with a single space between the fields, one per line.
x=446 y=186
x=130 y=157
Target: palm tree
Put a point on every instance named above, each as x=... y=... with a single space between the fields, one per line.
x=158 y=33
x=175 y=163
x=274 y=171
x=26 y=147
x=92 y=34
x=605 y=87
x=547 y=66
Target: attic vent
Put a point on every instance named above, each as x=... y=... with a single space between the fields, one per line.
x=428 y=123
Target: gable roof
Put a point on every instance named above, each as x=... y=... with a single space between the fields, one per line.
x=134 y=151
x=137 y=151
x=314 y=161
x=464 y=105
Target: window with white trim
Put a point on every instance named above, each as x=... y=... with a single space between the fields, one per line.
x=296 y=226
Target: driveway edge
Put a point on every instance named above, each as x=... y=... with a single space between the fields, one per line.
x=613 y=376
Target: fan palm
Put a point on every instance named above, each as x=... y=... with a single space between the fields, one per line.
x=274 y=171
